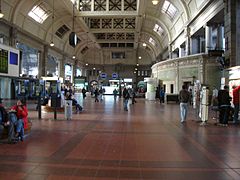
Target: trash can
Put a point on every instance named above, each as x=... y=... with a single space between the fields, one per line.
x=68 y=109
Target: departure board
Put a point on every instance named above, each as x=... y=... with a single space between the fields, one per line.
x=3 y=61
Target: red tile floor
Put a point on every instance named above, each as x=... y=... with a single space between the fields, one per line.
x=104 y=143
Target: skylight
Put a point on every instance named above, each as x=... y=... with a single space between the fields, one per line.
x=169 y=9
x=152 y=41
x=158 y=29
x=39 y=13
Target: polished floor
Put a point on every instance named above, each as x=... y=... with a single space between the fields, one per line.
x=104 y=142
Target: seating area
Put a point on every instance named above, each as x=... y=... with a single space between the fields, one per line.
x=26 y=131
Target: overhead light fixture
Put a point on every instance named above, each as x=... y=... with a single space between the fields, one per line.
x=144 y=44
x=139 y=57
x=73 y=40
x=1 y=14
x=86 y=64
x=52 y=44
x=137 y=64
x=74 y=57
x=136 y=69
x=155 y=2
x=94 y=68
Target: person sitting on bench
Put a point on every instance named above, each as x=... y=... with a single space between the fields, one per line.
x=21 y=122
x=6 y=123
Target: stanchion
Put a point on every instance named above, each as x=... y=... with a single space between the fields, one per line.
x=39 y=108
x=55 y=108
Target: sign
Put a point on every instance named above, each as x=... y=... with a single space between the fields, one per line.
x=3 y=61
x=103 y=75
x=114 y=75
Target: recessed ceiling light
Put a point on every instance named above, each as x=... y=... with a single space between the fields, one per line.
x=144 y=44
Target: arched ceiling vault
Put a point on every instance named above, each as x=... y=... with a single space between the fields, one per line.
x=120 y=23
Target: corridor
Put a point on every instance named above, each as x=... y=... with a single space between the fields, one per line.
x=105 y=142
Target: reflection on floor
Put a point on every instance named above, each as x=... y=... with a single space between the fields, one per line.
x=105 y=142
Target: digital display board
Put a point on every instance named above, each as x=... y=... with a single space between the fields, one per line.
x=3 y=61
x=13 y=58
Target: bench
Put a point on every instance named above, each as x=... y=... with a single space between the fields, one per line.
x=26 y=131
x=172 y=97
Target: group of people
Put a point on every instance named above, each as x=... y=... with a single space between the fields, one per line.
x=221 y=99
x=15 y=120
x=127 y=94
x=224 y=103
x=98 y=94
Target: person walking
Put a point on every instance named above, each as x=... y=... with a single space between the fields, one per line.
x=224 y=106
x=115 y=94
x=184 y=97
x=236 y=93
x=126 y=97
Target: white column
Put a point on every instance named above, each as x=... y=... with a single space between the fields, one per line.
x=208 y=38
x=220 y=37
x=187 y=42
x=170 y=51
x=181 y=51
x=62 y=68
x=194 y=45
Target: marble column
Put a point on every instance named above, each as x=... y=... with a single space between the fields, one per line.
x=220 y=37
x=170 y=51
x=208 y=38
x=62 y=67
x=194 y=45
x=187 y=42
x=13 y=36
x=43 y=55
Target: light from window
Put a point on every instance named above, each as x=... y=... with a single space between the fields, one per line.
x=169 y=9
x=158 y=29
x=152 y=41
x=39 y=13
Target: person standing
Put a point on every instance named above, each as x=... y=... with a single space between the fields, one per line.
x=96 y=95
x=126 y=97
x=236 y=90
x=84 y=93
x=161 y=95
x=224 y=105
x=184 y=97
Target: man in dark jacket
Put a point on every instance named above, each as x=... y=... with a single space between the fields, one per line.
x=224 y=105
x=184 y=97
x=126 y=97
x=5 y=122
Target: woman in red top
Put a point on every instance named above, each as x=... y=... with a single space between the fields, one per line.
x=21 y=113
x=236 y=90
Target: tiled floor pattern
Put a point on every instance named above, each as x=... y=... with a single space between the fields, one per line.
x=105 y=143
